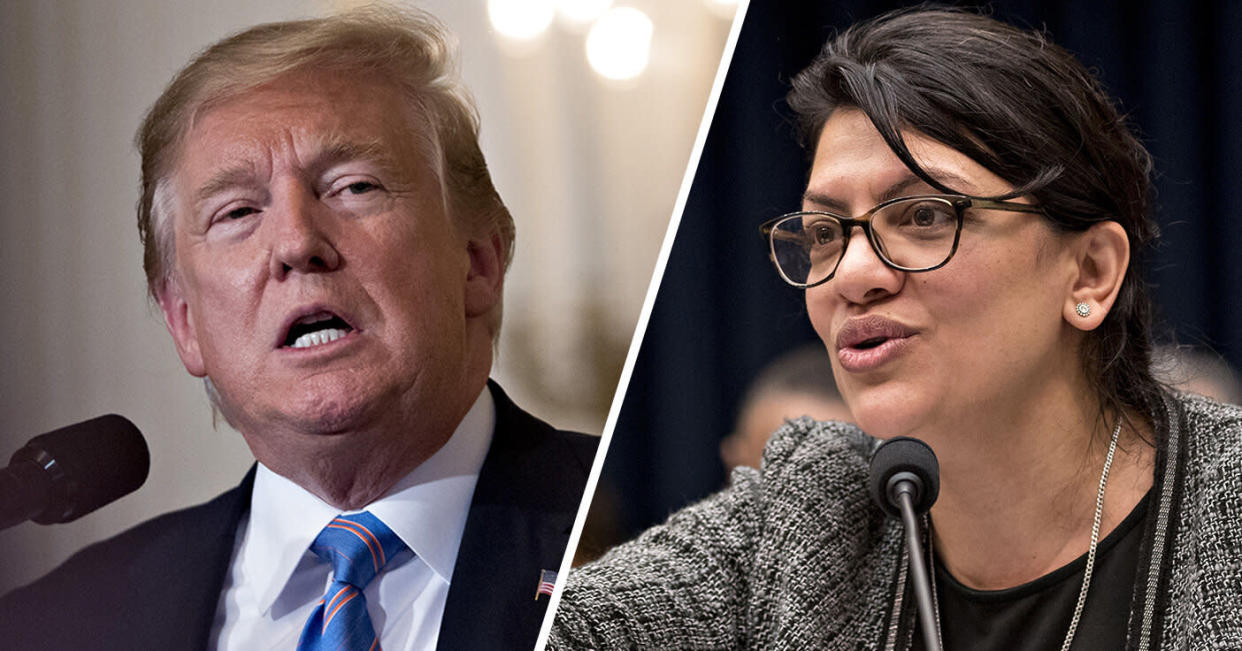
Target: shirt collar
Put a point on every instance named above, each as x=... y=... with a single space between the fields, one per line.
x=427 y=509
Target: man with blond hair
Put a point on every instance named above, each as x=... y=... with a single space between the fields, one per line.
x=327 y=249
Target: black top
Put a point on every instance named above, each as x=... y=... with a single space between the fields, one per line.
x=1036 y=615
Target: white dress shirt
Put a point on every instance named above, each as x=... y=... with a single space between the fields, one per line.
x=275 y=583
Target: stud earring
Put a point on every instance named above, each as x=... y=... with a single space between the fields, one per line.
x=1083 y=309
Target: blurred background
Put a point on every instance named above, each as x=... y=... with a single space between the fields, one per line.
x=722 y=316
x=589 y=111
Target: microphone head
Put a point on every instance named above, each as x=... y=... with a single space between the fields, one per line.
x=903 y=454
x=89 y=465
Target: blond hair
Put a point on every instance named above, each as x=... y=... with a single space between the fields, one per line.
x=408 y=47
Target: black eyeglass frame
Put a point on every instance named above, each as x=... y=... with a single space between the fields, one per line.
x=959 y=202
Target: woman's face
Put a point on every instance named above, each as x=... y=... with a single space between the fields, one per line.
x=919 y=353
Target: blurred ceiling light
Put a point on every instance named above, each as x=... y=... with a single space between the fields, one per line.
x=521 y=19
x=581 y=12
x=619 y=43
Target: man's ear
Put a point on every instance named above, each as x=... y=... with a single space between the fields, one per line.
x=486 y=276
x=180 y=325
x=1102 y=255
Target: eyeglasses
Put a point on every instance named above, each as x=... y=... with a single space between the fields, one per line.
x=918 y=233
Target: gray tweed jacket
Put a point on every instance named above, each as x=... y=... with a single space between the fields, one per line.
x=795 y=556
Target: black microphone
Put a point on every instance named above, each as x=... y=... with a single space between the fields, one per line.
x=905 y=482
x=65 y=474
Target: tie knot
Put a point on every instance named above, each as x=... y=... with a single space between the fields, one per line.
x=358 y=546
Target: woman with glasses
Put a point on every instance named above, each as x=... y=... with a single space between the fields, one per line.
x=970 y=243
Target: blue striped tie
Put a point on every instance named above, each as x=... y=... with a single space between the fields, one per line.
x=357 y=546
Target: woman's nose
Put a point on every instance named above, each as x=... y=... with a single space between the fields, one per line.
x=862 y=276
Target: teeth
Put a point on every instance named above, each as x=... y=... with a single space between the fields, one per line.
x=318 y=338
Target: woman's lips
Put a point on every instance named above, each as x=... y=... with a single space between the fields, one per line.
x=867 y=342
x=858 y=360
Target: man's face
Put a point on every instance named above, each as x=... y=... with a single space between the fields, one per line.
x=319 y=282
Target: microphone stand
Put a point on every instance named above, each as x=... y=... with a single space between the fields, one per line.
x=903 y=488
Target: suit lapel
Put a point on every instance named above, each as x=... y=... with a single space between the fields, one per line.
x=520 y=518
x=195 y=586
x=155 y=586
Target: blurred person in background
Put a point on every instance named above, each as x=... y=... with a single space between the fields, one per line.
x=971 y=245
x=798 y=383
x=323 y=238
x=1198 y=370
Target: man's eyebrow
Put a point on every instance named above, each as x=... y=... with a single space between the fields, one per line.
x=328 y=152
x=240 y=175
x=331 y=151
x=897 y=189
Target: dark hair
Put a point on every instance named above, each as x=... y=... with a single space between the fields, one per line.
x=1025 y=109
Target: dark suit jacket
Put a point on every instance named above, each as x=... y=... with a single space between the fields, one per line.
x=156 y=586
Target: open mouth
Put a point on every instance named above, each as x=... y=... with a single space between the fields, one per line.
x=870 y=343
x=866 y=343
x=316 y=330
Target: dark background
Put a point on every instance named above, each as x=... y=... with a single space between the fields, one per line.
x=722 y=312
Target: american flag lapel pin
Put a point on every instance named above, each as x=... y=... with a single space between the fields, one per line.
x=547 y=581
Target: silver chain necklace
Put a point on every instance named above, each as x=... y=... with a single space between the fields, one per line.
x=1095 y=539
x=1086 y=576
